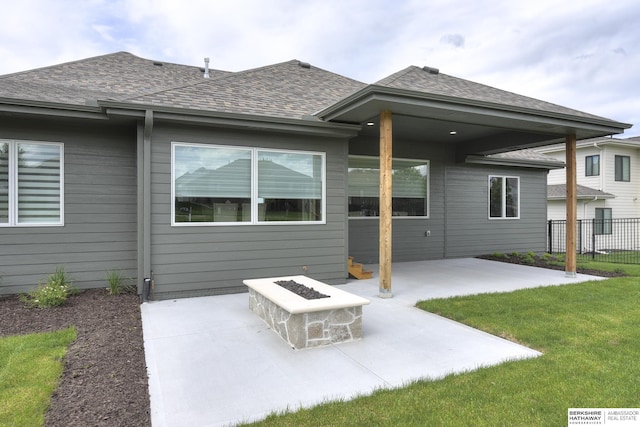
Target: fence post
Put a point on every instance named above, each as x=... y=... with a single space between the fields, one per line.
x=593 y=239
x=550 y=235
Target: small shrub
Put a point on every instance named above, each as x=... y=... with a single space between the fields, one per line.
x=116 y=282
x=498 y=255
x=52 y=293
x=528 y=259
x=515 y=254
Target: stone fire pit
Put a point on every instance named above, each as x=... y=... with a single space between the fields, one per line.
x=305 y=323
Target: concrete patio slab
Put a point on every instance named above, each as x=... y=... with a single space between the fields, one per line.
x=211 y=362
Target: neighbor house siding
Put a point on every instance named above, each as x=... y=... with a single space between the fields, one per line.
x=99 y=232
x=469 y=230
x=625 y=204
x=198 y=260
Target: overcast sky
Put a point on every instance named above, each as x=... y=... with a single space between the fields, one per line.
x=584 y=54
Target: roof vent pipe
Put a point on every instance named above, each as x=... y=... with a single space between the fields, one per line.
x=206 y=68
x=431 y=70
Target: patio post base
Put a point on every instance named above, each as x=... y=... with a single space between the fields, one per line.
x=385 y=293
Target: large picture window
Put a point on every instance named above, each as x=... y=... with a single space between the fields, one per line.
x=232 y=185
x=504 y=197
x=31 y=183
x=410 y=187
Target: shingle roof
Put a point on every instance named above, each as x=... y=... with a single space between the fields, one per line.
x=289 y=89
x=559 y=192
x=421 y=79
x=527 y=154
x=116 y=76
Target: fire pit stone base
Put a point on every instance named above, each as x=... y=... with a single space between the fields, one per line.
x=305 y=323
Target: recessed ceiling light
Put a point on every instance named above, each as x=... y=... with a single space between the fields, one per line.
x=370 y=123
x=453 y=132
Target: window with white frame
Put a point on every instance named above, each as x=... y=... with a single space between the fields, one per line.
x=31 y=183
x=237 y=185
x=504 y=197
x=410 y=187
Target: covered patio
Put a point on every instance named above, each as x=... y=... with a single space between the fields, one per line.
x=422 y=106
x=213 y=362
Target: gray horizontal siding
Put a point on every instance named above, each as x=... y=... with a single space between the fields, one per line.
x=471 y=233
x=408 y=234
x=198 y=260
x=100 y=209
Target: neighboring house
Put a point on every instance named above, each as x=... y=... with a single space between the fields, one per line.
x=201 y=178
x=608 y=177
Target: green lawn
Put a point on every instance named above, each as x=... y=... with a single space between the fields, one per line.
x=30 y=368
x=590 y=336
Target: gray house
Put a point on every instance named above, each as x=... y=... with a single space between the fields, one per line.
x=200 y=178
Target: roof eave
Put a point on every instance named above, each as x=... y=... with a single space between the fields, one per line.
x=523 y=163
x=22 y=106
x=394 y=96
x=304 y=125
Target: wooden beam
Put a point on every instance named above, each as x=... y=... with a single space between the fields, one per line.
x=386 y=210
x=572 y=206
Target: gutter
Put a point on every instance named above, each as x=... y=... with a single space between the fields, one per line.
x=522 y=163
x=304 y=125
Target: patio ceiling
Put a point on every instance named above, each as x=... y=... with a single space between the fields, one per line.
x=480 y=127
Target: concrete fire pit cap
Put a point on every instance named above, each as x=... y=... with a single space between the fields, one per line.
x=294 y=303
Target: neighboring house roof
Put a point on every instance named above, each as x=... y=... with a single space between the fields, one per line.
x=559 y=192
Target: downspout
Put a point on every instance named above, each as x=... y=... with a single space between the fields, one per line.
x=144 y=206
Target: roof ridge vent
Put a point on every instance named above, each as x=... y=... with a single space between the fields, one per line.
x=304 y=64
x=431 y=70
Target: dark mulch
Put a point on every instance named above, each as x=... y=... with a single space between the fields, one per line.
x=546 y=263
x=105 y=377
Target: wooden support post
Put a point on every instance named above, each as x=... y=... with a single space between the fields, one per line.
x=572 y=206
x=386 y=209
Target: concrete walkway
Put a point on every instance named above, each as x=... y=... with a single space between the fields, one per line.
x=212 y=362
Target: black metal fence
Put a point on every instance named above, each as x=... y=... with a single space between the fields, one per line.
x=607 y=240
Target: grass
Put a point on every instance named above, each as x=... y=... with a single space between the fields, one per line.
x=589 y=334
x=620 y=257
x=30 y=368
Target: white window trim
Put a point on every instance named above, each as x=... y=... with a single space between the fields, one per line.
x=254 y=187
x=504 y=198
x=13 y=185
x=401 y=218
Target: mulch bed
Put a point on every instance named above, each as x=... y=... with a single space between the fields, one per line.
x=105 y=376
x=543 y=263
